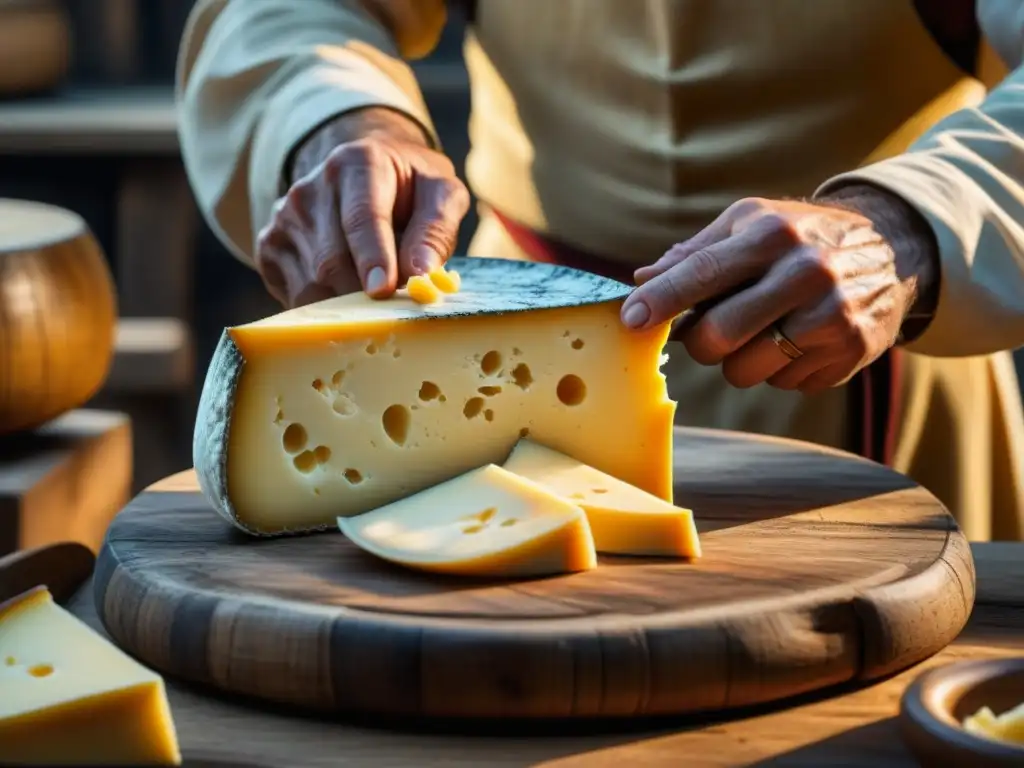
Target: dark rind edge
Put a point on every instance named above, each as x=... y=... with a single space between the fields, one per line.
x=213 y=428
x=213 y=419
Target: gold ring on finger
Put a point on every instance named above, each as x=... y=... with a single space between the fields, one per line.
x=783 y=342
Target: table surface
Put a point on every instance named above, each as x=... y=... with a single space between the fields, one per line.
x=852 y=727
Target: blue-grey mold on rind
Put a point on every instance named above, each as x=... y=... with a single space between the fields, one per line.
x=497 y=286
x=489 y=287
x=213 y=427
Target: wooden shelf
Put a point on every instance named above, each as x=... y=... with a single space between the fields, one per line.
x=121 y=120
x=64 y=481
x=134 y=119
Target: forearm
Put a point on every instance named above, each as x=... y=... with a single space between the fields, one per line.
x=256 y=78
x=350 y=126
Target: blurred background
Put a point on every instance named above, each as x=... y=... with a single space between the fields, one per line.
x=99 y=138
x=96 y=134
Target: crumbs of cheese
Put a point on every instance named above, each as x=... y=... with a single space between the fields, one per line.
x=1008 y=726
x=68 y=696
x=422 y=289
x=624 y=520
x=446 y=281
x=487 y=522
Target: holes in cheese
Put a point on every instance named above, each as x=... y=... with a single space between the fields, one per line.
x=396 y=423
x=41 y=670
x=503 y=328
x=68 y=696
x=491 y=363
x=458 y=527
x=623 y=519
x=294 y=438
x=473 y=407
x=571 y=389
x=521 y=376
x=429 y=391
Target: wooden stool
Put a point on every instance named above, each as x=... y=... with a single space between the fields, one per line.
x=64 y=481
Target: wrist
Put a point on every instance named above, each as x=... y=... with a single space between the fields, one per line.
x=357 y=124
x=913 y=243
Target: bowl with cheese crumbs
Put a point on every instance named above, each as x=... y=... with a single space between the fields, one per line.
x=968 y=713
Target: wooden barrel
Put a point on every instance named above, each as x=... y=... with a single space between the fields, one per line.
x=58 y=314
x=35 y=46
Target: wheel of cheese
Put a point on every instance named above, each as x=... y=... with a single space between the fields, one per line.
x=57 y=314
x=34 y=46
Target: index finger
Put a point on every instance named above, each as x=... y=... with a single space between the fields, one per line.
x=369 y=185
x=708 y=274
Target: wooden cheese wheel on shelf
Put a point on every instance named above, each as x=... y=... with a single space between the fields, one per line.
x=58 y=314
x=35 y=46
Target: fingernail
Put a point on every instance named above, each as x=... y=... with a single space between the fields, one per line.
x=636 y=314
x=376 y=279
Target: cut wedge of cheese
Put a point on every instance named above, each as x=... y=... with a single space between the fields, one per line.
x=488 y=522
x=69 y=697
x=340 y=407
x=624 y=520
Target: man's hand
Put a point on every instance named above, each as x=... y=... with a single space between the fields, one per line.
x=370 y=205
x=836 y=279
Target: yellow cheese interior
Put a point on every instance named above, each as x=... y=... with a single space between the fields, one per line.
x=67 y=696
x=338 y=417
x=487 y=522
x=624 y=519
x=1008 y=726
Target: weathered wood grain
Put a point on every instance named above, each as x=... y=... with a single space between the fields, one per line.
x=819 y=568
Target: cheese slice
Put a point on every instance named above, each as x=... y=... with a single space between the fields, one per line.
x=487 y=522
x=623 y=519
x=340 y=407
x=69 y=697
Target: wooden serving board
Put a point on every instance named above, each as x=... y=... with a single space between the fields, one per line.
x=818 y=568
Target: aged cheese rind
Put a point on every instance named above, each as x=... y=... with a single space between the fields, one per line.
x=70 y=697
x=485 y=523
x=213 y=428
x=497 y=299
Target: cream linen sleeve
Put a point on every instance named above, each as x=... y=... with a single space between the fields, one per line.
x=254 y=77
x=966 y=177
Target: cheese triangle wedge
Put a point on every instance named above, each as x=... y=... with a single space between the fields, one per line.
x=343 y=406
x=487 y=522
x=623 y=519
x=70 y=697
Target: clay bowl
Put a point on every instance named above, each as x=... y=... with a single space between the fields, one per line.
x=937 y=702
x=58 y=314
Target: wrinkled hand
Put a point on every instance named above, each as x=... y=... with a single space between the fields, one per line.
x=377 y=206
x=837 y=289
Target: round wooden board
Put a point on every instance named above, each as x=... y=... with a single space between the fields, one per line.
x=818 y=568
